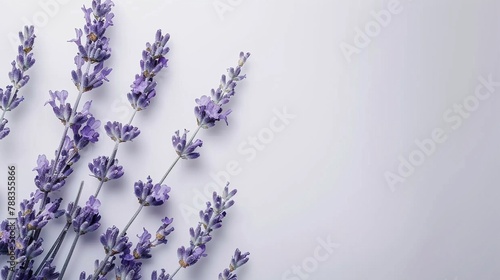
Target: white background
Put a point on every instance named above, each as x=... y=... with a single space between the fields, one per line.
x=322 y=175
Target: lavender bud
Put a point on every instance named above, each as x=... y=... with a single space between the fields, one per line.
x=161 y=276
x=100 y=170
x=4 y=131
x=112 y=243
x=238 y=259
x=152 y=62
x=149 y=194
x=163 y=231
x=191 y=255
x=87 y=218
x=183 y=150
x=208 y=110
x=143 y=248
x=121 y=133
x=129 y=270
x=61 y=109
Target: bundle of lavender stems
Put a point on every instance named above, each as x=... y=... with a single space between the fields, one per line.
x=26 y=254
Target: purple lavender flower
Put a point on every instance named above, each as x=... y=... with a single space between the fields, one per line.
x=161 y=276
x=87 y=218
x=44 y=180
x=4 y=131
x=50 y=211
x=51 y=178
x=208 y=112
x=106 y=268
x=61 y=109
x=153 y=61
x=183 y=150
x=49 y=271
x=211 y=219
x=143 y=247
x=85 y=133
x=149 y=194
x=9 y=98
x=4 y=237
x=99 y=167
x=129 y=270
x=96 y=48
x=163 y=231
x=209 y=108
x=237 y=261
x=114 y=244
x=121 y=133
x=191 y=255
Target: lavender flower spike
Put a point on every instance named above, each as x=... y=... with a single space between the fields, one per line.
x=237 y=261
x=87 y=218
x=114 y=244
x=183 y=150
x=9 y=99
x=121 y=133
x=163 y=231
x=209 y=108
x=161 y=276
x=95 y=50
x=100 y=170
x=149 y=194
x=153 y=61
x=211 y=219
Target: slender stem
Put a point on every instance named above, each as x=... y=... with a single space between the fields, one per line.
x=132 y=118
x=55 y=246
x=175 y=272
x=124 y=231
x=70 y=253
x=98 y=188
x=169 y=169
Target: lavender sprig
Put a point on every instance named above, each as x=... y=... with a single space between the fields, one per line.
x=90 y=73
x=210 y=220
x=143 y=89
x=208 y=112
x=237 y=261
x=209 y=109
x=52 y=175
x=130 y=260
x=9 y=98
x=86 y=219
